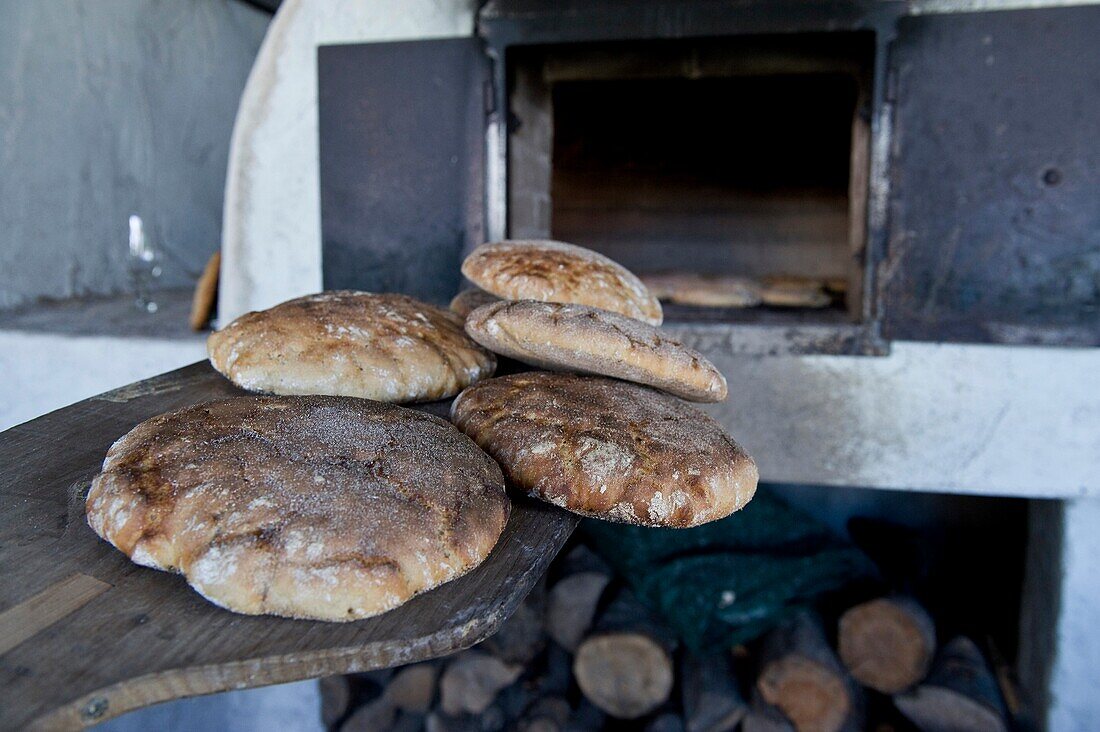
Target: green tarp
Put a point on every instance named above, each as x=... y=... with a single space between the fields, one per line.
x=727 y=582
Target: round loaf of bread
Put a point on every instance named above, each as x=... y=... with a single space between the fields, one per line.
x=712 y=291
x=470 y=300
x=589 y=340
x=328 y=508
x=552 y=271
x=794 y=292
x=608 y=449
x=387 y=347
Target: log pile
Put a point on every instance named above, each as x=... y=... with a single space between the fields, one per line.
x=582 y=653
x=887 y=643
x=624 y=666
x=801 y=676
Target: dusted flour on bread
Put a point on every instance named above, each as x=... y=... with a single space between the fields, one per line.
x=552 y=271
x=589 y=340
x=387 y=347
x=311 y=507
x=608 y=449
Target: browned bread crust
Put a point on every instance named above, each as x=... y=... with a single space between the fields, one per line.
x=787 y=291
x=589 y=340
x=319 y=507
x=387 y=347
x=608 y=449
x=470 y=300
x=691 y=288
x=553 y=271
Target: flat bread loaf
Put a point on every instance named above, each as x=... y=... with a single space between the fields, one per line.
x=794 y=292
x=589 y=340
x=318 y=507
x=470 y=300
x=608 y=449
x=387 y=347
x=553 y=271
x=714 y=291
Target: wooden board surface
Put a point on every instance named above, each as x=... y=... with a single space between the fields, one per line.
x=86 y=635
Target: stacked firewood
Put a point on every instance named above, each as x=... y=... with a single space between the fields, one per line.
x=581 y=653
x=885 y=672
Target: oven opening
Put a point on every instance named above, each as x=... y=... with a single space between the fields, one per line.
x=730 y=174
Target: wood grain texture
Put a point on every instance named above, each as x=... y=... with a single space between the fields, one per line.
x=39 y=612
x=149 y=638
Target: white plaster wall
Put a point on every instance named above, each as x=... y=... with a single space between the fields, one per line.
x=1075 y=677
x=993 y=420
x=271 y=242
x=43 y=372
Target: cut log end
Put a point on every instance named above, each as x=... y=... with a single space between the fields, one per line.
x=887 y=644
x=572 y=607
x=471 y=682
x=801 y=676
x=812 y=696
x=626 y=675
x=412 y=689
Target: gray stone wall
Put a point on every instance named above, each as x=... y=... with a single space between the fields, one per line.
x=107 y=108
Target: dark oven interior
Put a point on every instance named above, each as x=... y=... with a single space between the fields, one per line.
x=739 y=159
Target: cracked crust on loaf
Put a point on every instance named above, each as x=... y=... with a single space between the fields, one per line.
x=387 y=347
x=553 y=271
x=328 y=508
x=608 y=449
x=589 y=340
